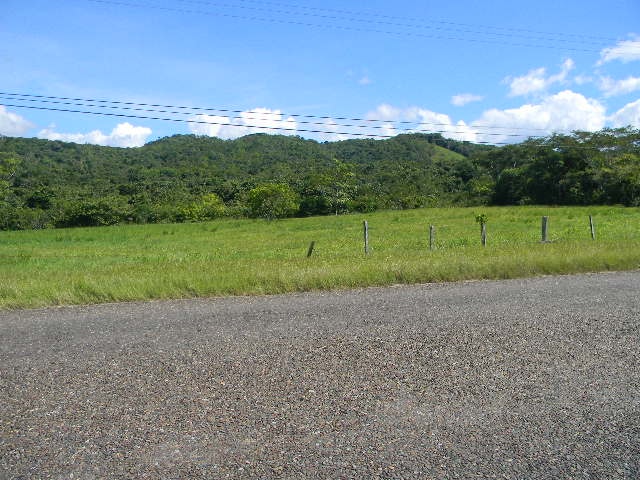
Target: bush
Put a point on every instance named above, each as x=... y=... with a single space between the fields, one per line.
x=94 y=212
x=210 y=206
x=272 y=200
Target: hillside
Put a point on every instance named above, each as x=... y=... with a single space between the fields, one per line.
x=57 y=183
x=190 y=178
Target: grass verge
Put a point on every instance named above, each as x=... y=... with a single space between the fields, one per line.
x=245 y=257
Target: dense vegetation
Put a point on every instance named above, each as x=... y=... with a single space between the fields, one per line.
x=189 y=178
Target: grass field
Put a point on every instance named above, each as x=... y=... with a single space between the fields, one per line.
x=237 y=257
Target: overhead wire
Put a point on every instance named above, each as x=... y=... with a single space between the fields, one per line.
x=248 y=126
x=199 y=120
x=194 y=110
x=553 y=46
x=394 y=17
x=360 y=17
x=272 y=129
x=293 y=130
x=311 y=120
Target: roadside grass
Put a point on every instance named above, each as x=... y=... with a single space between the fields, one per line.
x=254 y=257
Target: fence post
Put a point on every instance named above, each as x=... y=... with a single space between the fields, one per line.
x=545 y=223
x=366 y=237
x=592 y=227
x=483 y=234
x=432 y=237
x=310 y=251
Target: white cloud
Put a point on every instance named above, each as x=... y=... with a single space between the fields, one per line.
x=365 y=81
x=627 y=115
x=442 y=123
x=123 y=135
x=332 y=132
x=563 y=112
x=625 y=51
x=12 y=124
x=537 y=80
x=465 y=98
x=257 y=120
x=423 y=120
x=386 y=112
x=611 y=87
x=209 y=125
x=582 y=80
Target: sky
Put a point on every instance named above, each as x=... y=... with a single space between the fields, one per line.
x=133 y=71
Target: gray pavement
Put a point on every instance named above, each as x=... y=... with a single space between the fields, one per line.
x=527 y=379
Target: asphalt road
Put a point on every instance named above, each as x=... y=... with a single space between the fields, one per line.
x=524 y=379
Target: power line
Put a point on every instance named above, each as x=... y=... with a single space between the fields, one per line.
x=240 y=125
x=429 y=25
x=393 y=17
x=193 y=110
x=180 y=120
x=280 y=129
x=341 y=27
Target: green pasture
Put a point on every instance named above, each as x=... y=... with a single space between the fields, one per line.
x=253 y=257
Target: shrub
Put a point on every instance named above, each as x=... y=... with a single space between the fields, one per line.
x=272 y=200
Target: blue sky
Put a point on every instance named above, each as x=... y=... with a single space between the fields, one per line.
x=481 y=71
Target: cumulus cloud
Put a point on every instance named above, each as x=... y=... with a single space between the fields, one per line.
x=465 y=98
x=563 y=112
x=331 y=132
x=12 y=124
x=423 y=120
x=627 y=115
x=387 y=112
x=442 y=123
x=208 y=125
x=625 y=51
x=611 y=87
x=257 y=120
x=123 y=135
x=537 y=80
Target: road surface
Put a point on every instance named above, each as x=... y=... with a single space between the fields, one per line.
x=536 y=378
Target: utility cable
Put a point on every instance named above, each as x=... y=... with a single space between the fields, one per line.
x=338 y=27
x=405 y=19
x=225 y=111
x=246 y=117
x=231 y=124
x=359 y=17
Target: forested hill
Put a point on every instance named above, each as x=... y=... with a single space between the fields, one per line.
x=57 y=183
x=189 y=178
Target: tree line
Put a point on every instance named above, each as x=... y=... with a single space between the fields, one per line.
x=186 y=178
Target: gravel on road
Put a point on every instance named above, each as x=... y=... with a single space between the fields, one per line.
x=535 y=378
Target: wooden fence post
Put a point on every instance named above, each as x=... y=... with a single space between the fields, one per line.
x=545 y=224
x=432 y=237
x=310 y=251
x=592 y=227
x=483 y=234
x=366 y=237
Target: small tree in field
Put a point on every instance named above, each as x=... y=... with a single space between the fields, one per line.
x=272 y=200
x=481 y=219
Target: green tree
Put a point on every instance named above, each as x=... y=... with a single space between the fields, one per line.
x=342 y=186
x=208 y=207
x=94 y=212
x=9 y=163
x=272 y=200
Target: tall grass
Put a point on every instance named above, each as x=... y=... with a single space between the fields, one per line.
x=238 y=257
